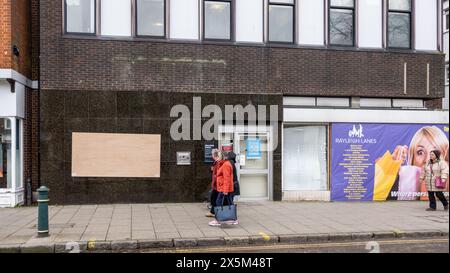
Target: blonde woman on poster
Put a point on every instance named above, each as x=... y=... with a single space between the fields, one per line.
x=390 y=168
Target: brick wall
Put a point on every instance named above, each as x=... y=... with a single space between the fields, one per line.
x=31 y=138
x=15 y=29
x=35 y=36
x=5 y=34
x=21 y=35
x=93 y=64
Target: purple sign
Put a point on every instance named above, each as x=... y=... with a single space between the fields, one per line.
x=377 y=162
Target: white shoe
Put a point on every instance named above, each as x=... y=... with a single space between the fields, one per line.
x=214 y=223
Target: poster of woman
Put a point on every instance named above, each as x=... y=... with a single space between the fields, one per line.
x=384 y=161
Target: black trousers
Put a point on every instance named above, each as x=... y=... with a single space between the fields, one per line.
x=213 y=199
x=432 y=197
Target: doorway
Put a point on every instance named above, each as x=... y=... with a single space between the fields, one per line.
x=254 y=159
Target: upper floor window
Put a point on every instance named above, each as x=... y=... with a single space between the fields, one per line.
x=281 y=21
x=150 y=17
x=341 y=22
x=217 y=20
x=399 y=24
x=79 y=16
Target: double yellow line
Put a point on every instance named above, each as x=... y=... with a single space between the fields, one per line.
x=298 y=246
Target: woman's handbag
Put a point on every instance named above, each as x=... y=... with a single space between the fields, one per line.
x=437 y=180
x=227 y=212
x=439 y=183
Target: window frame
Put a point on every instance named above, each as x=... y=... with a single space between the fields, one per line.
x=446 y=20
x=92 y=34
x=411 y=25
x=354 y=10
x=294 y=21
x=231 y=39
x=135 y=29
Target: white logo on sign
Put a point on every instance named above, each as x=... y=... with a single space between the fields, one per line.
x=356 y=132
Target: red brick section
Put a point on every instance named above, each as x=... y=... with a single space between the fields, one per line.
x=5 y=34
x=21 y=35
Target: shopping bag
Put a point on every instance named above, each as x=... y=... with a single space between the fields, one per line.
x=386 y=171
x=408 y=183
x=227 y=212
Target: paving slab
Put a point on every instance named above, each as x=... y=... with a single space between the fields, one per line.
x=160 y=225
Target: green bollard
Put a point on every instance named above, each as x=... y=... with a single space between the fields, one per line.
x=43 y=211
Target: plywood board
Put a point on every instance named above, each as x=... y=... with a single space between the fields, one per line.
x=115 y=155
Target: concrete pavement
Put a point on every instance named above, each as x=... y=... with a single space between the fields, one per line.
x=131 y=226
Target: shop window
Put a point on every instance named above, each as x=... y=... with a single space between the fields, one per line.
x=342 y=22
x=11 y=153
x=150 y=17
x=399 y=23
x=5 y=153
x=79 y=16
x=217 y=20
x=281 y=21
x=305 y=158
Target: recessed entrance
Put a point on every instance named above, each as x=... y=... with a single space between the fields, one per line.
x=254 y=159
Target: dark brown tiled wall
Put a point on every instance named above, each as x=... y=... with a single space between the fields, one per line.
x=64 y=112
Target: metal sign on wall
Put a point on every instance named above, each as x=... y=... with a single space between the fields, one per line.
x=183 y=158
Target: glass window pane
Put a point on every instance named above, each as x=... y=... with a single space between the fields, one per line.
x=18 y=151
x=341 y=27
x=305 y=158
x=342 y=3
x=281 y=24
x=150 y=17
x=5 y=153
x=399 y=30
x=80 y=16
x=400 y=5
x=217 y=20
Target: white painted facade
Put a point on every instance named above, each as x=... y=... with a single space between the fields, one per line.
x=12 y=112
x=370 y=21
x=311 y=23
x=249 y=21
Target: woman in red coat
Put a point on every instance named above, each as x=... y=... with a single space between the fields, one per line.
x=225 y=186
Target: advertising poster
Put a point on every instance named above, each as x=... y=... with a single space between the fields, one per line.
x=253 y=148
x=378 y=162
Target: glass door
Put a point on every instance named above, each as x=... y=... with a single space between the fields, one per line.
x=253 y=165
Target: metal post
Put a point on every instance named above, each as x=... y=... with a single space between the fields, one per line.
x=43 y=212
